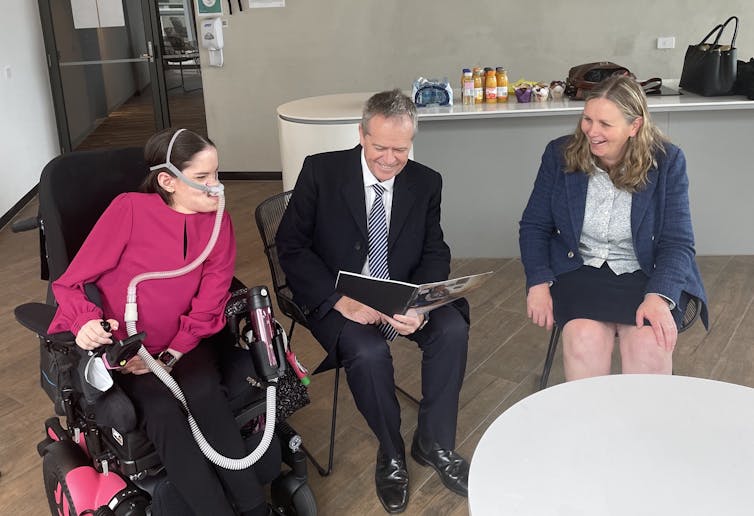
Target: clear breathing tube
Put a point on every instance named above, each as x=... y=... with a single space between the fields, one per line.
x=131 y=317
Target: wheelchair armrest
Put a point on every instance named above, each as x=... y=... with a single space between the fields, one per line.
x=25 y=225
x=37 y=318
x=236 y=284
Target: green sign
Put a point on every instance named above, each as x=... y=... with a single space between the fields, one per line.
x=210 y=7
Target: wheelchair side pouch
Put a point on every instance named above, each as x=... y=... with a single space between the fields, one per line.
x=114 y=409
x=56 y=369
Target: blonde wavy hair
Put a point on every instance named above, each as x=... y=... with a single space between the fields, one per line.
x=632 y=171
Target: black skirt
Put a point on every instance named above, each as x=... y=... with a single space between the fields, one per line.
x=600 y=295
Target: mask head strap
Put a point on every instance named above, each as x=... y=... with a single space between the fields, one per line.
x=211 y=190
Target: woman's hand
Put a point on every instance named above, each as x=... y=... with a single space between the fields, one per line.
x=539 y=305
x=92 y=335
x=655 y=309
x=136 y=364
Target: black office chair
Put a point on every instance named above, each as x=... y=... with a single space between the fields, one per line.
x=268 y=216
x=689 y=316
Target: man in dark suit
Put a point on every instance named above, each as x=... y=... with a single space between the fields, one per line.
x=328 y=227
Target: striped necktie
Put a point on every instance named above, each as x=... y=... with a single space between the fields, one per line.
x=377 y=257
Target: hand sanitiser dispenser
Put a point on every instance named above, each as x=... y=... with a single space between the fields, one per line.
x=212 y=39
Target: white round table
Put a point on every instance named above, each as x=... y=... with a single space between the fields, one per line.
x=620 y=445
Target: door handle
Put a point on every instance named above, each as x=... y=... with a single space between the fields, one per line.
x=149 y=54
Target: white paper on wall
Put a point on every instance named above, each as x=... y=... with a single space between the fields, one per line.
x=111 y=13
x=84 y=14
x=92 y=14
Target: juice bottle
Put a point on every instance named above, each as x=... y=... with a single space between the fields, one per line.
x=461 y=83
x=490 y=87
x=484 y=82
x=467 y=85
x=478 y=86
x=502 y=85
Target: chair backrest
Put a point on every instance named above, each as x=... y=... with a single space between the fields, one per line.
x=74 y=190
x=268 y=216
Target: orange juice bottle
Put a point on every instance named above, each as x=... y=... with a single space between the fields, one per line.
x=490 y=87
x=502 y=84
x=478 y=86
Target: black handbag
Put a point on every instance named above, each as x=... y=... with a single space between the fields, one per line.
x=745 y=79
x=709 y=69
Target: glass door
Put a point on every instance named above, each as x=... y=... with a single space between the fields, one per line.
x=180 y=64
x=107 y=89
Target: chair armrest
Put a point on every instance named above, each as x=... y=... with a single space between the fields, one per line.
x=37 y=318
x=289 y=307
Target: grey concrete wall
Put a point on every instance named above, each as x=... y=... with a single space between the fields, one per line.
x=334 y=46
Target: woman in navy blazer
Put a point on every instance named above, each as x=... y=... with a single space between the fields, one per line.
x=606 y=238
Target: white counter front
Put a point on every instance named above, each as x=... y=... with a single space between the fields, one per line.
x=489 y=156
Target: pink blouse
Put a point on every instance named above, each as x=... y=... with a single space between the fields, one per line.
x=139 y=233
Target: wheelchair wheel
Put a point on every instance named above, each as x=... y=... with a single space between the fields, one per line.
x=58 y=495
x=303 y=502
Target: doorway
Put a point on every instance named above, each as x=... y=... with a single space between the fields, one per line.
x=113 y=71
x=181 y=65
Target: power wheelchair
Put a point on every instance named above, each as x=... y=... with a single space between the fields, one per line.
x=97 y=460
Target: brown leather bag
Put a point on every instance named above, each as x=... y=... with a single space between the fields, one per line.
x=583 y=78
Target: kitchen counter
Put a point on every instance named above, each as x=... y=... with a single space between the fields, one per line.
x=489 y=156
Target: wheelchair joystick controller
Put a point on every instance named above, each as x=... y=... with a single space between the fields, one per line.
x=119 y=352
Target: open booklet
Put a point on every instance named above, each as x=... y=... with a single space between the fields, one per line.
x=396 y=297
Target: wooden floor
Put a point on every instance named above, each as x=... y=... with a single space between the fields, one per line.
x=505 y=358
x=132 y=123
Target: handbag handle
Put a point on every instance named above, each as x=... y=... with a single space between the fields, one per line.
x=717 y=28
x=722 y=29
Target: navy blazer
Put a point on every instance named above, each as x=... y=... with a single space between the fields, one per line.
x=663 y=239
x=324 y=230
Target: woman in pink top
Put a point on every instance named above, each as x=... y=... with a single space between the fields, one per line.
x=163 y=229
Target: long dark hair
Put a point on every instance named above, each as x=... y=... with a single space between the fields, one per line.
x=186 y=145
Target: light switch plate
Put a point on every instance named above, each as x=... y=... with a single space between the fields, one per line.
x=664 y=42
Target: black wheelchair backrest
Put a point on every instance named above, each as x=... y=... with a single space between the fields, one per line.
x=74 y=190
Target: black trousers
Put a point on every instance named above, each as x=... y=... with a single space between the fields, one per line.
x=365 y=356
x=205 y=487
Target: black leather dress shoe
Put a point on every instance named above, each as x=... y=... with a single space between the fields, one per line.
x=391 y=479
x=452 y=468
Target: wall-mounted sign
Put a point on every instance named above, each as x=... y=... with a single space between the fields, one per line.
x=209 y=7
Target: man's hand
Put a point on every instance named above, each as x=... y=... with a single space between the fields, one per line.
x=539 y=305
x=405 y=324
x=655 y=309
x=357 y=312
x=92 y=335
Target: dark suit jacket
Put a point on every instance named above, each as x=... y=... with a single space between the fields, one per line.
x=663 y=239
x=324 y=230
